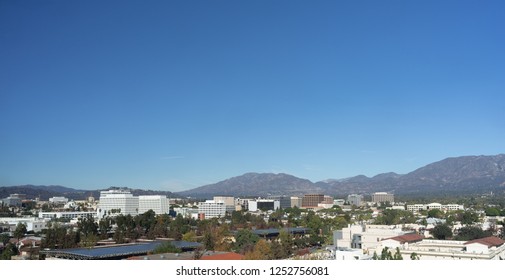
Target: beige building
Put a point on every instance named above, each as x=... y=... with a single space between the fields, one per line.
x=380 y=197
x=229 y=202
x=296 y=202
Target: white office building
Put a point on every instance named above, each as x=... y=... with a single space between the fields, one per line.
x=365 y=237
x=355 y=199
x=32 y=223
x=212 y=209
x=58 y=200
x=66 y=215
x=264 y=205
x=448 y=207
x=487 y=248
x=158 y=203
x=116 y=202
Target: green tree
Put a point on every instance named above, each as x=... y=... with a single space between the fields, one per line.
x=468 y=217
x=9 y=251
x=441 y=232
x=492 y=211
x=104 y=226
x=470 y=233
x=20 y=231
x=397 y=255
x=285 y=240
x=87 y=226
x=189 y=236
x=414 y=256
x=261 y=251
x=245 y=240
x=394 y=217
x=4 y=238
x=435 y=213
x=166 y=247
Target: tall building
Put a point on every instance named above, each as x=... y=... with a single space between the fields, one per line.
x=296 y=202
x=355 y=199
x=285 y=201
x=380 y=197
x=264 y=205
x=212 y=209
x=158 y=203
x=312 y=200
x=229 y=202
x=115 y=202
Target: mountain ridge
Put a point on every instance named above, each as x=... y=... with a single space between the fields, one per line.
x=468 y=174
x=453 y=175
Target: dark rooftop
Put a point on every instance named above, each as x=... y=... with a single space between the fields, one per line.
x=116 y=252
x=276 y=231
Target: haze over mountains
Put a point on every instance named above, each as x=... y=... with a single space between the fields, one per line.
x=458 y=175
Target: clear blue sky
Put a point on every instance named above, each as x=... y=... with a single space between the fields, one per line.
x=173 y=95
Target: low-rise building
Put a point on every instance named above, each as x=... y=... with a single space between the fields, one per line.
x=366 y=237
x=430 y=206
x=32 y=223
x=58 y=200
x=67 y=215
x=488 y=248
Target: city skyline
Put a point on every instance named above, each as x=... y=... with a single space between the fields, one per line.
x=173 y=95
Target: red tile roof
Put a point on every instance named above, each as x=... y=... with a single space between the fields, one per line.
x=410 y=238
x=488 y=241
x=224 y=256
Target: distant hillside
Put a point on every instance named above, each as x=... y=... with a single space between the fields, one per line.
x=467 y=174
x=459 y=175
x=256 y=184
x=46 y=192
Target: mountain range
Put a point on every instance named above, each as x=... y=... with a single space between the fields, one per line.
x=46 y=192
x=457 y=175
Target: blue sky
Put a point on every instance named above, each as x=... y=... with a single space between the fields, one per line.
x=173 y=95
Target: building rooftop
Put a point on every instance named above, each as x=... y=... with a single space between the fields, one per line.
x=488 y=241
x=117 y=251
x=223 y=256
x=408 y=238
x=275 y=231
